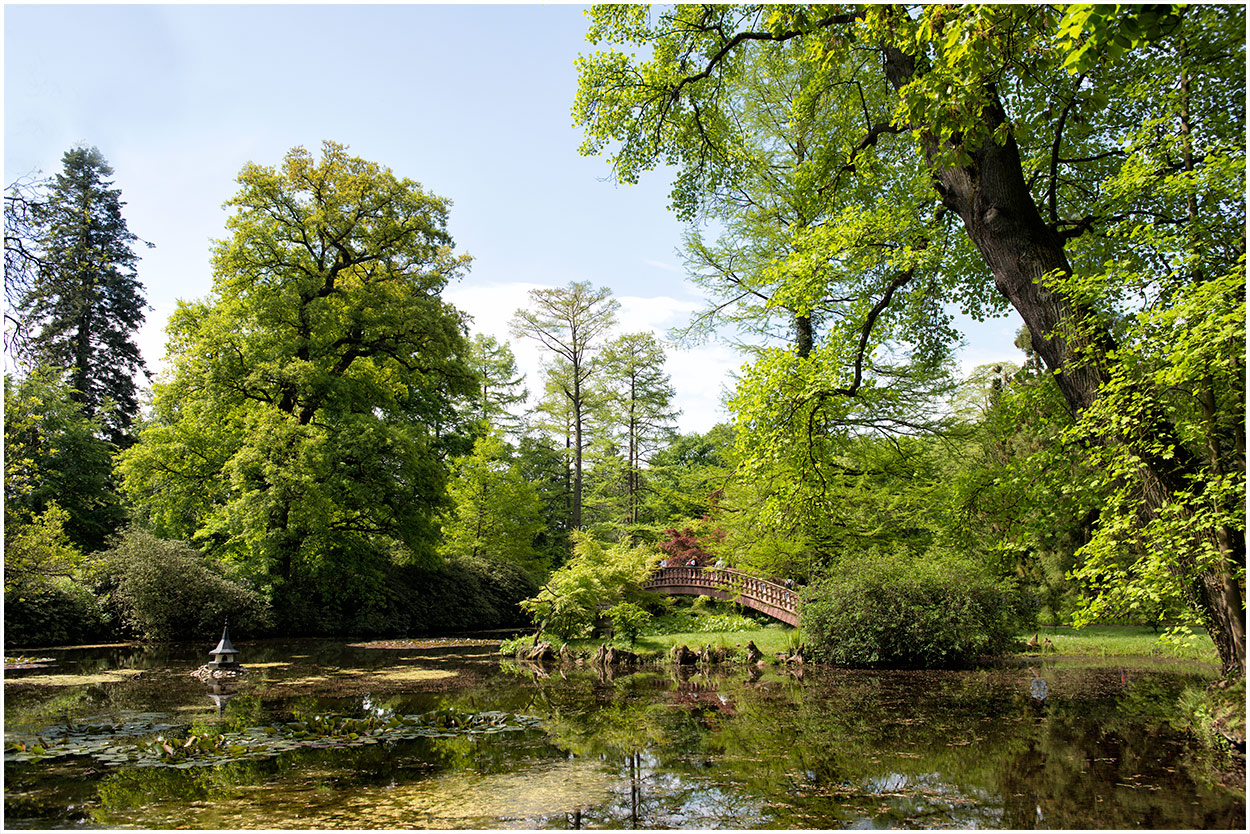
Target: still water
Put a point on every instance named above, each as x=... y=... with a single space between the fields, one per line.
x=326 y=735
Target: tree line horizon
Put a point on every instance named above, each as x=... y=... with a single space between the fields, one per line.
x=329 y=451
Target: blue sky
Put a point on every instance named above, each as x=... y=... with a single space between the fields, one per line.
x=471 y=101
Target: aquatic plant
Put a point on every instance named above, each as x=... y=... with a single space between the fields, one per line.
x=133 y=743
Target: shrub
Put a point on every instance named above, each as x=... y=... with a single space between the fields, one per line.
x=465 y=593
x=167 y=590
x=685 y=544
x=469 y=593
x=55 y=613
x=701 y=614
x=628 y=620
x=568 y=603
x=892 y=609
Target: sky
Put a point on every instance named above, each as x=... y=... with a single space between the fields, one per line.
x=473 y=102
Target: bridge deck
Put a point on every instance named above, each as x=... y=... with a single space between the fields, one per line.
x=777 y=601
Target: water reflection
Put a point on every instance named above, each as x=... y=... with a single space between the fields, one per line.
x=220 y=692
x=651 y=747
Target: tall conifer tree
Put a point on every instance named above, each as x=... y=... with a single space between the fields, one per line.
x=85 y=302
x=570 y=322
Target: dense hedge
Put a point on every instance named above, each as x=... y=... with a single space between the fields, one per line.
x=53 y=614
x=160 y=589
x=897 y=610
x=462 y=594
x=157 y=589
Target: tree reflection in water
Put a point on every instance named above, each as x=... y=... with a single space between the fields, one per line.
x=654 y=747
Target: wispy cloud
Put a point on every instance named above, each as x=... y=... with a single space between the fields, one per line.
x=666 y=267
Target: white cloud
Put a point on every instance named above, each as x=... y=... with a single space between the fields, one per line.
x=656 y=315
x=702 y=377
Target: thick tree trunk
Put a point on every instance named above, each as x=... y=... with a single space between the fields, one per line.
x=993 y=200
x=804 y=336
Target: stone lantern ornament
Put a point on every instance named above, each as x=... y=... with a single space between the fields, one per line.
x=225 y=653
x=224 y=665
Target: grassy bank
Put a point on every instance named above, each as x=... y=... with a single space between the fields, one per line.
x=769 y=640
x=1098 y=641
x=1124 y=641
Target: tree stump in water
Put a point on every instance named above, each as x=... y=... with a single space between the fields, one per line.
x=711 y=656
x=542 y=651
x=612 y=656
x=683 y=655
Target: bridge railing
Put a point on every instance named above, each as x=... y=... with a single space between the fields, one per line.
x=727 y=583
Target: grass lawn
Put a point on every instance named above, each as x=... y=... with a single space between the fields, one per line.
x=1126 y=641
x=1096 y=641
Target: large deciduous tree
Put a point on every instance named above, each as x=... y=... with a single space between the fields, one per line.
x=495 y=512
x=1074 y=162
x=84 y=303
x=303 y=429
x=570 y=322
x=54 y=455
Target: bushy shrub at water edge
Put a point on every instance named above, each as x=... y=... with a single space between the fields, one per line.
x=167 y=590
x=937 y=609
x=56 y=613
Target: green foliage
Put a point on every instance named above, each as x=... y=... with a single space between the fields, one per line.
x=629 y=620
x=313 y=399
x=54 y=455
x=1091 y=33
x=501 y=387
x=687 y=475
x=1021 y=495
x=641 y=416
x=39 y=550
x=569 y=322
x=166 y=590
x=868 y=164
x=702 y=615
x=1216 y=715
x=53 y=613
x=568 y=603
x=545 y=469
x=495 y=511
x=463 y=593
x=895 y=609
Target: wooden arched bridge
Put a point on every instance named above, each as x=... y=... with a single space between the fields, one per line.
x=777 y=601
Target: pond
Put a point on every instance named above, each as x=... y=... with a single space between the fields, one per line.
x=436 y=735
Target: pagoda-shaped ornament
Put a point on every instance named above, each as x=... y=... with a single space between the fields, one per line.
x=224 y=656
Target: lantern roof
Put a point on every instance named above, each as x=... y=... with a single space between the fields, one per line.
x=224 y=647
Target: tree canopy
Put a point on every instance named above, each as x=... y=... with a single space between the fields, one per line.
x=570 y=322
x=1075 y=164
x=313 y=399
